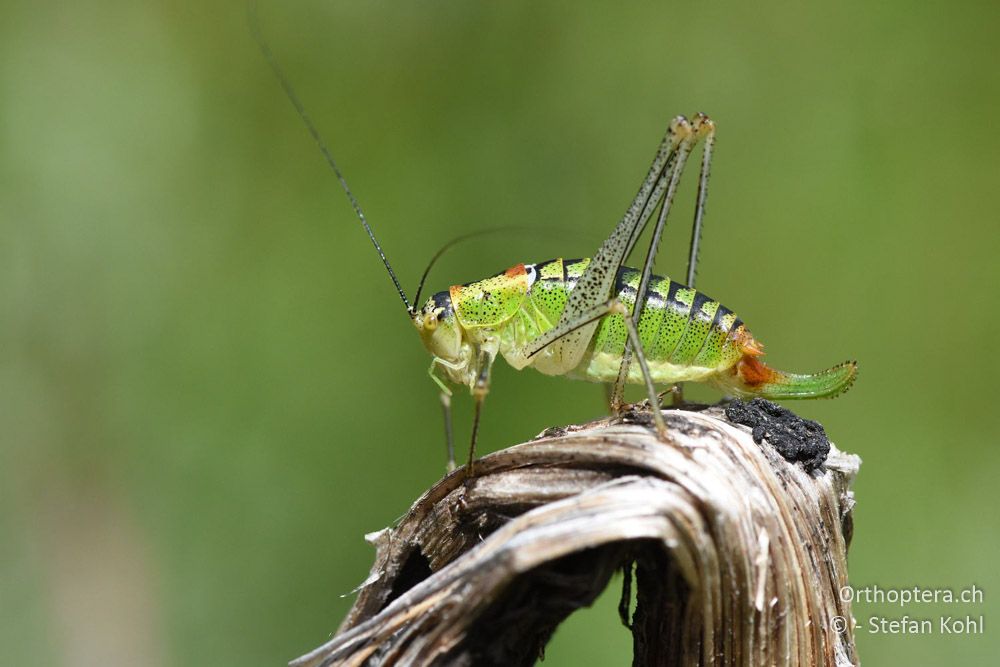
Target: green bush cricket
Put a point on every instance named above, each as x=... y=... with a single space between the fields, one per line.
x=586 y=318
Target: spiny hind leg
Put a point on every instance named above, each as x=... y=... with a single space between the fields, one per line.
x=704 y=128
x=596 y=285
x=690 y=136
x=701 y=128
x=585 y=304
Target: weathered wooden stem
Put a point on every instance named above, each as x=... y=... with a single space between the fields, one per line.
x=739 y=555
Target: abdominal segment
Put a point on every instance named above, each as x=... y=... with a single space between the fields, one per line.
x=685 y=334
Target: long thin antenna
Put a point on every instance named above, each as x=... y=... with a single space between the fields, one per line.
x=294 y=99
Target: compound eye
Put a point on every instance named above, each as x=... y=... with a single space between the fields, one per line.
x=431 y=322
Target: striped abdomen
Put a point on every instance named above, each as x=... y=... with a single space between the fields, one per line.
x=685 y=334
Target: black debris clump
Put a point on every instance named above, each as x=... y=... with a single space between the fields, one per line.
x=798 y=440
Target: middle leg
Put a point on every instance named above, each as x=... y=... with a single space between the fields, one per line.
x=479 y=391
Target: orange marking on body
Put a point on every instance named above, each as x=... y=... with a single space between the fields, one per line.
x=754 y=371
x=515 y=271
x=747 y=343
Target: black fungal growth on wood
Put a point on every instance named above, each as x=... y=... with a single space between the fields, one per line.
x=798 y=440
x=735 y=555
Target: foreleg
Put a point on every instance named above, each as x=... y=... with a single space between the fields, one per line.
x=445 y=396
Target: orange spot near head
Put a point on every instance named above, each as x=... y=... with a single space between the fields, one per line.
x=515 y=271
x=755 y=372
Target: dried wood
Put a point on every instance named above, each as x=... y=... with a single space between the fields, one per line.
x=738 y=555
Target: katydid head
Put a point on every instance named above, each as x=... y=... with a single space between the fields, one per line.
x=440 y=330
x=442 y=334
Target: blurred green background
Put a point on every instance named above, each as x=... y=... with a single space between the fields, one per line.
x=209 y=391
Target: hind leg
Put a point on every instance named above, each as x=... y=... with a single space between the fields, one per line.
x=592 y=315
